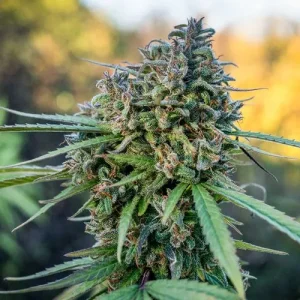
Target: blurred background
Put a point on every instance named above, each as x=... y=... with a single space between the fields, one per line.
x=40 y=71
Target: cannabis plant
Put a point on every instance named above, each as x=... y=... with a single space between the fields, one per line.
x=155 y=149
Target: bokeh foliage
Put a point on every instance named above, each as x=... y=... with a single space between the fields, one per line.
x=15 y=203
x=39 y=71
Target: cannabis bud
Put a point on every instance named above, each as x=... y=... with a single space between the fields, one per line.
x=155 y=148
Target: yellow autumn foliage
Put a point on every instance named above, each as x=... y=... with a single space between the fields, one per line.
x=273 y=63
x=56 y=35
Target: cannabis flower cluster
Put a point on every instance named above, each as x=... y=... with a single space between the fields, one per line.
x=155 y=150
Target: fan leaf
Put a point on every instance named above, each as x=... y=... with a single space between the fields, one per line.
x=124 y=224
x=218 y=235
x=275 y=217
x=126 y=293
x=64 y=194
x=258 y=150
x=21 y=180
x=67 y=266
x=81 y=209
x=75 y=146
x=78 y=290
x=60 y=175
x=94 y=252
x=56 y=117
x=112 y=66
x=71 y=191
x=29 y=169
x=98 y=271
x=37 y=214
x=173 y=199
x=186 y=289
x=53 y=128
x=264 y=137
x=230 y=224
x=247 y=246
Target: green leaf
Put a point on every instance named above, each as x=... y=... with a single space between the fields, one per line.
x=78 y=290
x=140 y=295
x=186 y=289
x=115 y=67
x=275 y=217
x=81 y=219
x=132 y=177
x=21 y=180
x=67 y=266
x=258 y=150
x=145 y=295
x=52 y=128
x=127 y=293
x=233 y=221
x=264 y=137
x=37 y=214
x=75 y=146
x=71 y=191
x=98 y=290
x=98 y=271
x=125 y=220
x=218 y=235
x=230 y=224
x=60 y=175
x=247 y=246
x=31 y=178
x=64 y=194
x=29 y=169
x=82 y=208
x=56 y=117
x=102 y=251
x=173 y=198
x=139 y=161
